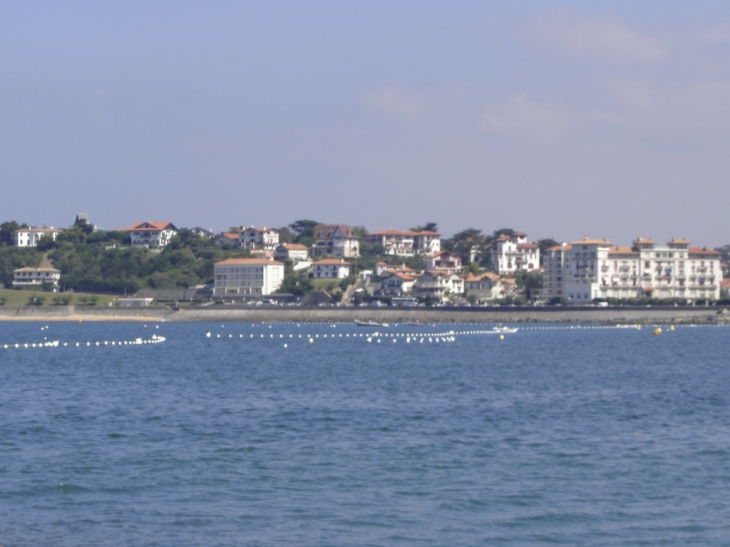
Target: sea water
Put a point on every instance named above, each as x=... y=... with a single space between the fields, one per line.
x=250 y=434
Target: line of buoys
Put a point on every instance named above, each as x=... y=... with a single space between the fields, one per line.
x=155 y=339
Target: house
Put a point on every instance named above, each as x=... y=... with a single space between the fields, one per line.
x=397 y=284
x=202 y=232
x=725 y=288
x=295 y=252
x=330 y=268
x=512 y=253
x=445 y=261
x=261 y=253
x=382 y=269
x=226 y=238
x=153 y=235
x=258 y=238
x=406 y=243
x=488 y=286
x=438 y=284
x=247 y=277
x=555 y=263
x=36 y=277
x=335 y=240
x=29 y=237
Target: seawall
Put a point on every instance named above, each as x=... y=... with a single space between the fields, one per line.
x=617 y=315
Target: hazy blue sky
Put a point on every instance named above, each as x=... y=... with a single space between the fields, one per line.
x=608 y=119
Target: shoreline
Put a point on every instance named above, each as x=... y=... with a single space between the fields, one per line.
x=618 y=315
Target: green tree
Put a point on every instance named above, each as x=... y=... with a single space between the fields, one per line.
x=544 y=245
x=93 y=300
x=474 y=267
x=3 y=300
x=428 y=227
x=46 y=243
x=303 y=229
x=35 y=300
x=285 y=235
x=7 y=232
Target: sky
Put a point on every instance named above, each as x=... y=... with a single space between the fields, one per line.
x=562 y=120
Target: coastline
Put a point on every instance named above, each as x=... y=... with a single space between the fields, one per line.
x=617 y=315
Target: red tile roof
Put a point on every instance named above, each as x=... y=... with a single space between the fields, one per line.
x=149 y=227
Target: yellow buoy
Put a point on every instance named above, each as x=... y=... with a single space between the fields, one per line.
x=311 y=341
x=657 y=330
x=671 y=327
x=501 y=336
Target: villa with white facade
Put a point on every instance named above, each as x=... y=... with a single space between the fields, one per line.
x=295 y=252
x=330 y=268
x=512 y=253
x=29 y=237
x=36 y=277
x=444 y=260
x=594 y=268
x=335 y=240
x=258 y=238
x=247 y=277
x=406 y=243
x=153 y=235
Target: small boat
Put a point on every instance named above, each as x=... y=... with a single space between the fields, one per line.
x=416 y=324
x=367 y=323
x=502 y=330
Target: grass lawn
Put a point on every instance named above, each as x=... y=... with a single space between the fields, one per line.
x=20 y=298
x=323 y=284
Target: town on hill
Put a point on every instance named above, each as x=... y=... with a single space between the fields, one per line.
x=315 y=263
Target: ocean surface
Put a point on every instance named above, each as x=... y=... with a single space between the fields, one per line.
x=550 y=436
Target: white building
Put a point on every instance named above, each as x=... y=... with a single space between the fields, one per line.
x=445 y=261
x=595 y=268
x=406 y=243
x=438 y=284
x=29 y=237
x=488 y=286
x=330 y=268
x=153 y=235
x=335 y=240
x=397 y=284
x=295 y=252
x=36 y=277
x=247 y=277
x=512 y=253
x=258 y=238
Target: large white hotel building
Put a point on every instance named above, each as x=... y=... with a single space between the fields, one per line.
x=594 y=268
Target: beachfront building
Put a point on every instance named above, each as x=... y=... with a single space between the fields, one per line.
x=438 y=284
x=258 y=238
x=337 y=240
x=488 y=286
x=406 y=242
x=247 y=277
x=596 y=269
x=35 y=278
x=512 y=253
x=152 y=235
x=29 y=237
x=396 y=284
x=330 y=268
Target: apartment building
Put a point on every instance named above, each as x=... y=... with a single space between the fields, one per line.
x=595 y=268
x=247 y=277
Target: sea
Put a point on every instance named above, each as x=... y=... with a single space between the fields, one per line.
x=260 y=434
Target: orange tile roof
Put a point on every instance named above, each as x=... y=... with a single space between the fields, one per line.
x=644 y=240
x=622 y=250
x=566 y=247
x=589 y=241
x=703 y=251
x=149 y=227
x=295 y=246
